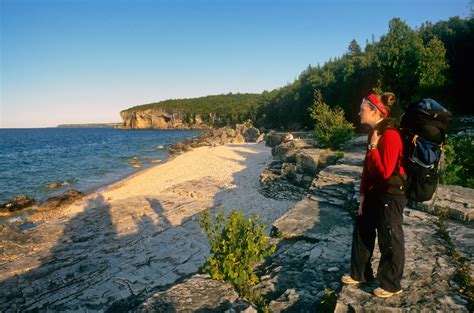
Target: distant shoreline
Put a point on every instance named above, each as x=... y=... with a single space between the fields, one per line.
x=91 y=125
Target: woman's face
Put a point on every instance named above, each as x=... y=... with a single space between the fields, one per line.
x=367 y=114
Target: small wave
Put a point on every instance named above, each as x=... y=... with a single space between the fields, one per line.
x=160 y=147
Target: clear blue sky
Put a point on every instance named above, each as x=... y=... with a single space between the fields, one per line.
x=68 y=61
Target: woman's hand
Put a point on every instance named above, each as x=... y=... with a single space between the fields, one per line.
x=359 y=211
x=374 y=140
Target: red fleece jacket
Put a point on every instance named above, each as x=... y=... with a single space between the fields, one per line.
x=382 y=162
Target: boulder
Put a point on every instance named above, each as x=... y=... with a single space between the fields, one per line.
x=288 y=170
x=204 y=143
x=218 y=132
x=287 y=151
x=240 y=128
x=261 y=137
x=174 y=152
x=285 y=302
x=187 y=147
x=17 y=203
x=223 y=138
x=67 y=197
x=267 y=176
x=307 y=161
x=53 y=185
x=301 y=180
x=179 y=145
x=454 y=201
x=284 y=153
x=251 y=134
x=238 y=139
x=230 y=132
x=273 y=139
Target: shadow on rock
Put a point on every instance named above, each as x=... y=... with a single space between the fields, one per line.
x=90 y=266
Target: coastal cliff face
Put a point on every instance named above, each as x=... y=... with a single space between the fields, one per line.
x=160 y=119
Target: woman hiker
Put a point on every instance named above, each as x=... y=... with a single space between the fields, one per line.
x=382 y=199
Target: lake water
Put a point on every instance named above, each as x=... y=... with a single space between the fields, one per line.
x=81 y=158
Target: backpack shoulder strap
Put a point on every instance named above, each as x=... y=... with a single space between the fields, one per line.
x=396 y=183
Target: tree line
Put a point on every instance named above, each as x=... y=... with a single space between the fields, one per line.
x=433 y=60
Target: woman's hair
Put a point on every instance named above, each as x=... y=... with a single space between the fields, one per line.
x=388 y=100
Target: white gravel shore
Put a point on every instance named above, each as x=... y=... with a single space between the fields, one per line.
x=141 y=232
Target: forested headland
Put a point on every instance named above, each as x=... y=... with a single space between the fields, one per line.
x=215 y=110
x=432 y=60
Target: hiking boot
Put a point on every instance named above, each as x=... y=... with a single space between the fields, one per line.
x=382 y=293
x=348 y=280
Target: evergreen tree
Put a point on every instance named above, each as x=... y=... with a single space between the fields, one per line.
x=433 y=66
x=397 y=58
x=331 y=129
x=354 y=48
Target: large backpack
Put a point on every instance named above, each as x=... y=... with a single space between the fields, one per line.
x=423 y=128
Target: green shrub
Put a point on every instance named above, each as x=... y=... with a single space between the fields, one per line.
x=331 y=129
x=459 y=162
x=329 y=157
x=339 y=154
x=237 y=244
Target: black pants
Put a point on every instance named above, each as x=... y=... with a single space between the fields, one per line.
x=382 y=212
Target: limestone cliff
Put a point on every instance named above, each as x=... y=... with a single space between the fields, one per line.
x=160 y=119
x=215 y=110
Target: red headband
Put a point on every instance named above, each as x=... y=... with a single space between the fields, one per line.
x=372 y=98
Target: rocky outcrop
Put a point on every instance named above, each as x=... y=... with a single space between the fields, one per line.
x=251 y=134
x=313 y=251
x=273 y=139
x=67 y=197
x=195 y=293
x=454 y=201
x=17 y=203
x=22 y=202
x=308 y=161
x=216 y=137
x=296 y=162
x=286 y=152
x=160 y=119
